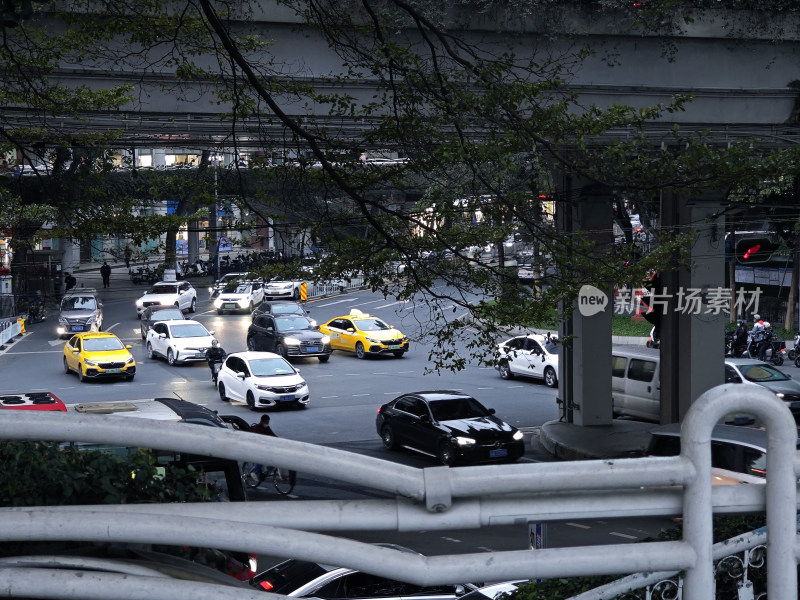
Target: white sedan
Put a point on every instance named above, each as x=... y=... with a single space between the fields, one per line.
x=531 y=355
x=262 y=380
x=168 y=293
x=243 y=296
x=178 y=341
x=282 y=289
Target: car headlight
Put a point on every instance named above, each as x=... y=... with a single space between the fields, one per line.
x=291 y=341
x=129 y=360
x=374 y=341
x=314 y=324
x=264 y=388
x=325 y=339
x=91 y=363
x=243 y=302
x=464 y=441
x=63 y=321
x=517 y=435
x=779 y=395
x=218 y=302
x=139 y=302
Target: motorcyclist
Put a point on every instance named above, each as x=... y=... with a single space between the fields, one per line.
x=214 y=357
x=739 y=339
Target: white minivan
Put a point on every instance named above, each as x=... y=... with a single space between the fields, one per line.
x=635 y=382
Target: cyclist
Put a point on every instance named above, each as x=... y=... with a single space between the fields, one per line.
x=263 y=427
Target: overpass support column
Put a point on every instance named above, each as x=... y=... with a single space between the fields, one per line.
x=692 y=326
x=585 y=363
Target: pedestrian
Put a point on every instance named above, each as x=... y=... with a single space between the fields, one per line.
x=105 y=271
x=128 y=258
x=69 y=282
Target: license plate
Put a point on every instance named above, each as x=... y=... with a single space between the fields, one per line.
x=287 y=398
x=394 y=347
x=77 y=328
x=498 y=452
x=113 y=370
x=228 y=306
x=312 y=349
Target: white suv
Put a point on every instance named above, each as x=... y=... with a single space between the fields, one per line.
x=168 y=293
x=178 y=341
x=239 y=297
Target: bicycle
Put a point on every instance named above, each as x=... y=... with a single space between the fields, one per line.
x=283 y=479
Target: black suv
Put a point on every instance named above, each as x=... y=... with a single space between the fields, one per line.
x=291 y=336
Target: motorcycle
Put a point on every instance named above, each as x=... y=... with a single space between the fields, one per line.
x=215 y=365
x=795 y=350
x=653 y=341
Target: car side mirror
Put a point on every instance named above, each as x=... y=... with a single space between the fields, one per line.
x=128 y=347
x=491 y=411
x=424 y=419
x=162 y=335
x=241 y=375
x=210 y=333
x=76 y=351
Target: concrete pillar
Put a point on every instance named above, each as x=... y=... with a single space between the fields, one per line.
x=585 y=363
x=692 y=331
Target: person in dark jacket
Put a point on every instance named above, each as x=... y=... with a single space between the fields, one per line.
x=69 y=282
x=105 y=272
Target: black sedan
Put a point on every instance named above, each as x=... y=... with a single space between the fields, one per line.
x=291 y=336
x=281 y=307
x=450 y=426
x=153 y=314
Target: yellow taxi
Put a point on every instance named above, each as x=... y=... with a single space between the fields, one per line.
x=98 y=355
x=364 y=334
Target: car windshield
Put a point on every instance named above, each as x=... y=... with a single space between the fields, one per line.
x=551 y=346
x=104 y=344
x=167 y=314
x=286 y=309
x=372 y=325
x=457 y=408
x=187 y=330
x=292 y=323
x=242 y=289
x=164 y=289
x=270 y=367
x=762 y=372
x=78 y=303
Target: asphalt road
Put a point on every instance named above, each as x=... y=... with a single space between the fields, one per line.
x=346 y=393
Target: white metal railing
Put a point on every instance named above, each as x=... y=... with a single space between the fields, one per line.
x=9 y=330
x=434 y=498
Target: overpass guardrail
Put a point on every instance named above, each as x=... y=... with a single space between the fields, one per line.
x=436 y=499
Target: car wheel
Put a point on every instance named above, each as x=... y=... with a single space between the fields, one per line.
x=222 y=395
x=150 y=354
x=250 y=310
x=219 y=311
x=360 y=352
x=282 y=351
x=324 y=358
x=251 y=344
x=399 y=353
x=129 y=378
x=81 y=376
x=138 y=315
x=505 y=371
x=296 y=294
x=251 y=401
x=170 y=357
x=143 y=332
x=550 y=377
x=387 y=436
x=66 y=366
x=193 y=305
x=446 y=455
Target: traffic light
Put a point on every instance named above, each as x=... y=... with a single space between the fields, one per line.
x=755 y=250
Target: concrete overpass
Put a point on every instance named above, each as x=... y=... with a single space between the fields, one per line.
x=742 y=87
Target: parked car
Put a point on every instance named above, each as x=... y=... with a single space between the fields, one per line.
x=32 y=401
x=80 y=311
x=532 y=355
x=98 y=355
x=282 y=289
x=178 y=341
x=242 y=296
x=303 y=579
x=262 y=380
x=738 y=453
x=750 y=371
x=291 y=336
x=364 y=334
x=168 y=293
x=450 y=426
x=153 y=314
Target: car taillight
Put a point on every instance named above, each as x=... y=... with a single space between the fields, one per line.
x=265 y=585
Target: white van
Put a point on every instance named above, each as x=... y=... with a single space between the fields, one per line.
x=635 y=382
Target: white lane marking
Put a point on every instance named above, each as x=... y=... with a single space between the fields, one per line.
x=392 y=304
x=40 y=351
x=485 y=548
x=405 y=372
x=623 y=535
x=359 y=395
x=323 y=397
x=336 y=302
x=485 y=388
x=112 y=327
x=449 y=539
x=579 y=525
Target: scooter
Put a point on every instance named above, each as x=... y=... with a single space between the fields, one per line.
x=215 y=366
x=795 y=350
x=653 y=341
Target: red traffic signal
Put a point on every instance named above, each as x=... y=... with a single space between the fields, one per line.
x=754 y=250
